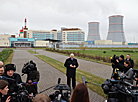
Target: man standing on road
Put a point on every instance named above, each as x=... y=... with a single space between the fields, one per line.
x=71 y=64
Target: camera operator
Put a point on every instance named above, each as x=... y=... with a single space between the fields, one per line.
x=120 y=63
x=128 y=75
x=32 y=76
x=4 y=90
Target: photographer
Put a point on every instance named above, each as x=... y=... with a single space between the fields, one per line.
x=4 y=90
x=32 y=76
x=120 y=63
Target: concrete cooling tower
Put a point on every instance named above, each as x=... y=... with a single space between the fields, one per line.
x=116 y=33
x=93 y=33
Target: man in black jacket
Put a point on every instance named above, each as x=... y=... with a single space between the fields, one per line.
x=120 y=63
x=71 y=64
x=131 y=61
x=10 y=74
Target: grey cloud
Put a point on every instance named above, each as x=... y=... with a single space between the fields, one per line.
x=54 y=14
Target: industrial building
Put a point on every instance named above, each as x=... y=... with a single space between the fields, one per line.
x=93 y=31
x=72 y=36
x=116 y=32
x=43 y=38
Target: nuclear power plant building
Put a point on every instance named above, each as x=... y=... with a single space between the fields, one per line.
x=93 y=31
x=116 y=33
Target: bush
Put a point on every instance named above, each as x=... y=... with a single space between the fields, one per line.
x=5 y=54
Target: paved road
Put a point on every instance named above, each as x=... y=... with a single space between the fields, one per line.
x=48 y=74
x=97 y=69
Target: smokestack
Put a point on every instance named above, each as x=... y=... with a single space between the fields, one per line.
x=116 y=33
x=93 y=33
x=25 y=22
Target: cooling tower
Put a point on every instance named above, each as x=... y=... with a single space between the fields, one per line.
x=116 y=33
x=93 y=33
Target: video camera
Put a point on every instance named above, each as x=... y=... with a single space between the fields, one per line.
x=113 y=59
x=19 y=94
x=62 y=93
x=120 y=90
x=28 y=67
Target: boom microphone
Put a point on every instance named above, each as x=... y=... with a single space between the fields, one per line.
x=83 y=80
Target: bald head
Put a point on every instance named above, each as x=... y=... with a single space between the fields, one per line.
x=1 y=63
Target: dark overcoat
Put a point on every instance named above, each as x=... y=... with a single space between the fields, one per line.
x=71 y=72
x=34 y=77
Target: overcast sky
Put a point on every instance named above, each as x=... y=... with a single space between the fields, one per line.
x=54 y=14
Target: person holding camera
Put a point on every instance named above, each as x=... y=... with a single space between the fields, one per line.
x=120 y=63
x=71 y=64
x=4 y=90
x=32 y=76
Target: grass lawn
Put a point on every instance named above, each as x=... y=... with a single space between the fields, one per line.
x=79 y=73
x=32 y=52
x=9 y=59
x=109 y=53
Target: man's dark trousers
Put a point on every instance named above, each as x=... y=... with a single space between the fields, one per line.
x=73 y=81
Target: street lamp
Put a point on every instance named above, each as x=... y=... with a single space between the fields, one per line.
x=35 y=45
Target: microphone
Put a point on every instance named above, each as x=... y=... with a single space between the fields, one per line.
x=33 y=83
x=59 y=79
x=83 y=80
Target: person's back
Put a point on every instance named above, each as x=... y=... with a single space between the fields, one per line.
x=41 y=98
x=80 y=94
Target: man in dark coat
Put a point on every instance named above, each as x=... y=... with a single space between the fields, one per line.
x=131 y=61
x=71 y=64
x=32 y=76
x=120 y=63
x=12 y=78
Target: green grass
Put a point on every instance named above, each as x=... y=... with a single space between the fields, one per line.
x=9 y=59
x=32 y=52
x=40 y=48
x=79 y=73
x=109 y=53
x=102 y=48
